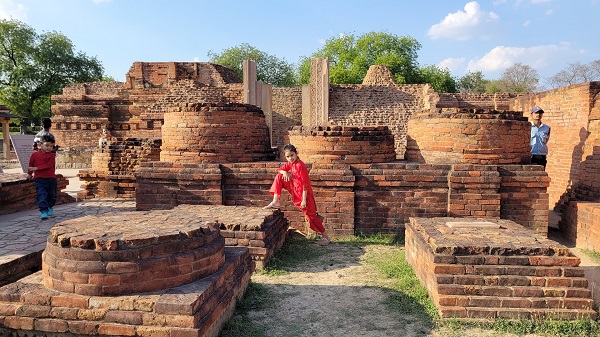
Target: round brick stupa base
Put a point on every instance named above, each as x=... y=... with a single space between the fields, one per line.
x=131 y=252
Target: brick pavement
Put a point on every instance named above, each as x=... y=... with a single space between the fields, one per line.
x=23 y=234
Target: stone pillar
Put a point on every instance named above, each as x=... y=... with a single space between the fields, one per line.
x=319 y=92
x=267 y=107
x=6 y=135
x=249 y=70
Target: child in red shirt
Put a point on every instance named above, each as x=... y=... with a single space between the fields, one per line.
x=41 y=168
x=293 y=176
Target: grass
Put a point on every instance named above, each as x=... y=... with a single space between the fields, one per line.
x=594 y=255
x=405 y=293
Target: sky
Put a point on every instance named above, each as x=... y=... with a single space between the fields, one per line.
x=487 y=36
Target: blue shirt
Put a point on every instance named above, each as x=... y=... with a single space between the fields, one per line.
x=539 y=139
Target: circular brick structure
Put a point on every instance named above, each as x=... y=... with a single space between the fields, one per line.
x=343 y=144
x=130 y=252
x=461 y=136
x=215 y=133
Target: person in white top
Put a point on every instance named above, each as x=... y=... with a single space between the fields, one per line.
x=540 y=134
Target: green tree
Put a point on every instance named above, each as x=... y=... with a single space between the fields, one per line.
x=269 y=68
x=351 y=57
x=472 y=82
x=519 y=78
x=33 y=67
x=439 y=78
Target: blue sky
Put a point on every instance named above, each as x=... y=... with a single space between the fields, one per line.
x=488 y=36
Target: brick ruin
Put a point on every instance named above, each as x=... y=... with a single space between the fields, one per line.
x=155 y=273
x=380 y=154
x=496 y=269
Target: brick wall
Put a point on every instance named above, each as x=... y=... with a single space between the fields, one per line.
x=367 y=105
x=287 y=112
x=17 y=193
x=572 y=113
x=472 y=100
x=580 y=224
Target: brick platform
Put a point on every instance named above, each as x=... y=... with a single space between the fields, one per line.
x=490 y=268
x=199 y=308
x=167 y=274
x=262 y=231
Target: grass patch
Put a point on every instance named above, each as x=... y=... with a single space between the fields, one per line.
x=406 y=294
x=296 y=250
x=579 y=328
x=593 y=255
x=256 y=298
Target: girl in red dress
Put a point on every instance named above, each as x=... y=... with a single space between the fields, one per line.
x=293 y=176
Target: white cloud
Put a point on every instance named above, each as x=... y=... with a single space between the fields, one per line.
x=196 y=59
x=465 y=25
x=452 y=64
x=11 y=10
x=526 y=23
x=538 y=57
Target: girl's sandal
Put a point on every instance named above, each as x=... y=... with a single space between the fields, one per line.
x=324 y=242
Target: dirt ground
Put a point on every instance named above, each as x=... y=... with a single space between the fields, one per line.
x=338 y=294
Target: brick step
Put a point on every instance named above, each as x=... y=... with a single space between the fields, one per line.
x=518 y=302
x=505 y=269
x=513 y=280
x=516 y=313
x=512 y=291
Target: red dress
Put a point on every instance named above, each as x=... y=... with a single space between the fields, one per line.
x=300 y=182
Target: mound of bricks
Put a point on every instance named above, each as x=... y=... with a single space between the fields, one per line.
x=262 y=231
x=343 y=144
x=156 y=273
x=215 y=133
x=490 y=268
x=455 y=136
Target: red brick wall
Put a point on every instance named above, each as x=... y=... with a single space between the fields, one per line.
x=580 y=224
x=287 y=112
x=366 y=105
x=570 y=111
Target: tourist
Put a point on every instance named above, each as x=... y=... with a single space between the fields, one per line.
x=540 y=133
x=41 y=169
x=46 y=124
x=293 y=176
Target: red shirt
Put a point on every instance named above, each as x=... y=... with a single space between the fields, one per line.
x=45 y=163
x=300 y=176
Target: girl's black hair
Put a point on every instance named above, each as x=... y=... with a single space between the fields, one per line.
x=290 y=147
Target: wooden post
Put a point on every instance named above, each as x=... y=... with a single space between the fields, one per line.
x=6 y=135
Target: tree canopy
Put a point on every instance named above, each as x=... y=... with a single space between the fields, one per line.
x=439 y=78
x=518 y=78
x=576 y=73
x=350 y=57
x=35 y=66
x=472 y=82
x=269 y=68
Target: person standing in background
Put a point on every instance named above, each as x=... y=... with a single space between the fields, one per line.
x=540 y=134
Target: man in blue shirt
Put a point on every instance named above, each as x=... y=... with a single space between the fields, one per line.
x=540 y=133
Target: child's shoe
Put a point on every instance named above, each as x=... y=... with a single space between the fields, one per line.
x=50 y=212
x=44 y=216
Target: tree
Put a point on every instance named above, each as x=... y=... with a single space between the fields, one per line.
x=576 y=73
x=351 y=57
x=472 y=82
x=269 y=68
x=519 y=78
x=33 y=67
x=439 y=78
